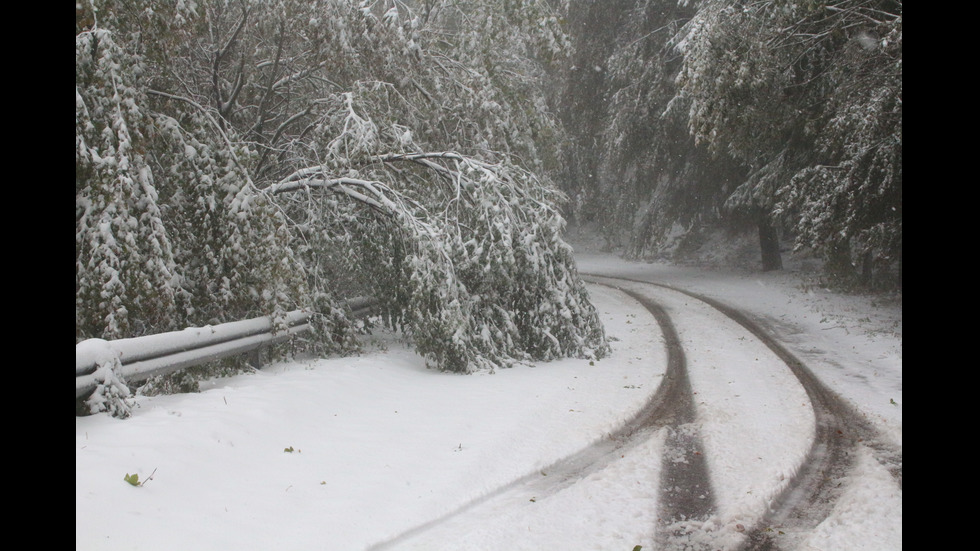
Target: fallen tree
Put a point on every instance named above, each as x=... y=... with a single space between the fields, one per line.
x=465 y=254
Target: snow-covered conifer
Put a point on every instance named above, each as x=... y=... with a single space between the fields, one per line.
x=809 y=97
x=124 y=267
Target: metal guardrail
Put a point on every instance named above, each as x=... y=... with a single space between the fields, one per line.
x=163 y=353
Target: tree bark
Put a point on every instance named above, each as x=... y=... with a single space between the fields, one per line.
x=899 y=270
x=867 y=270
x=769 y=244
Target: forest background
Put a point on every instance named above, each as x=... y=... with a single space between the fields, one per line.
x=241 y=158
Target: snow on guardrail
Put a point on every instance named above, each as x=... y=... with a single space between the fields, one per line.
x=151 y=355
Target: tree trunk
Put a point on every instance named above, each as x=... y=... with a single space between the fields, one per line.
x=839 y=266
x=867 y=270
x=769 y=244
x=899 y=270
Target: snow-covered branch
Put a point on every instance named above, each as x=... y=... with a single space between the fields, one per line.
x=485 y=279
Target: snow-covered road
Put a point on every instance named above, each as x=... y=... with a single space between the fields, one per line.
x=743 y=395
x=389 y=455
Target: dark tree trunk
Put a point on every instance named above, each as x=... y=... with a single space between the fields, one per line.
x=769 y=244
x=839 y=265
x=898 y=252
x=867 y=270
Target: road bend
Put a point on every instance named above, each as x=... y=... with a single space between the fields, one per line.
x=811 y=493
x=688 y=516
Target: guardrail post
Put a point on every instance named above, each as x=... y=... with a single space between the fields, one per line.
x=255 y=358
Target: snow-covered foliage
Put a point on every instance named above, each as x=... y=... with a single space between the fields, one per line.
x=125 y=275
x=237 y=103
x=730 y=113
x=809 y=96
x=169 y=230
x=111 y=394
x=853 y=199
x=650 y=180
x=466 y=254
x=236 y=258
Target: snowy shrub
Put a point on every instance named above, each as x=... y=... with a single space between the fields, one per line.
x=111 y=394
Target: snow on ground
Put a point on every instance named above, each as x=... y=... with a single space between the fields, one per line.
x=753 y=415
x=346 y=453
x=852 y=342
x=380 y=444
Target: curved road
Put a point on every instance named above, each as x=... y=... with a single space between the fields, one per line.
x=689 y=517
x=809 y=496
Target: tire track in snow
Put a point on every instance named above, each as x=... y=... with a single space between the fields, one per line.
x=687 y=500
x=685 y=487
x=810 y=496
x=671 y=405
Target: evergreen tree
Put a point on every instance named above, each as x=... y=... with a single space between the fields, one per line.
x=125 y=275
x=650 y=180
x=726 y=113
x=235 y=250
x=808 y=96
